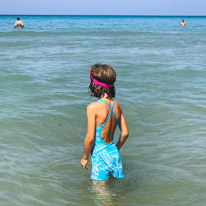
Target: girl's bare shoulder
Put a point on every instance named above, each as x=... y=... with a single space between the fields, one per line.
x=93 y=106
x=118 y=106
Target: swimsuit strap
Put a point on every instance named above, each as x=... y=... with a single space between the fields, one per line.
x=111 y=111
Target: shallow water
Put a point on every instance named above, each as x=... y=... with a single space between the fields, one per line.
x=44 y=93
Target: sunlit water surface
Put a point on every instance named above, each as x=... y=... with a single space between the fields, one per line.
x=161 y=86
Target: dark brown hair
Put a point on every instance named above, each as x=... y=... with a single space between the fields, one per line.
x=18 y=18
x=105 y=74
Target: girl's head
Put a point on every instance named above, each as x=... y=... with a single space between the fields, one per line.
x=18 y=18
x=102 y=78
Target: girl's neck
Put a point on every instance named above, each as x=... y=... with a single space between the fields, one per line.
x=105 y=97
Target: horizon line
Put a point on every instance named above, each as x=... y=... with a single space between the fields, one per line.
x=145 y=15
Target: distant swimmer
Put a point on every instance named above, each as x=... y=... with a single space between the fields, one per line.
x=182 y=23
x=19 y=23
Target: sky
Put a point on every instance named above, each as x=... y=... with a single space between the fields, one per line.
x=104 y=7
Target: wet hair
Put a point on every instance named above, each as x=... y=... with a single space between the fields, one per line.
x=18 y=18
x=105 y=74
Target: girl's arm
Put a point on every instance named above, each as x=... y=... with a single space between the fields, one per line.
x=89 y=139
x=124 y=131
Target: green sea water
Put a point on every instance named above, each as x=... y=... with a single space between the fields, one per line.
x=161 y=86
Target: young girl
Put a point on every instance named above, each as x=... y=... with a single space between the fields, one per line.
x=102 y=118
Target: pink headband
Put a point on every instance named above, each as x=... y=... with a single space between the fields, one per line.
x=96 y=82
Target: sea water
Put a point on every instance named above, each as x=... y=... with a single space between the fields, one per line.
x=161 y=86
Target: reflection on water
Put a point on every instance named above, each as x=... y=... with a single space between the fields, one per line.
x=18 y=28
x=107 y=192
x=101 y=192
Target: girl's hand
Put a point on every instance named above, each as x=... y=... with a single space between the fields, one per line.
x=84 y=163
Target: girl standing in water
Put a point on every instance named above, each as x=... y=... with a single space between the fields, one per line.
x=102 y=118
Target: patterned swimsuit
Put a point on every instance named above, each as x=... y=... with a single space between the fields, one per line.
x=105 y=157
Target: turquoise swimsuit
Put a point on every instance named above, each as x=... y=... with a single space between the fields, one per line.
x=105 y=157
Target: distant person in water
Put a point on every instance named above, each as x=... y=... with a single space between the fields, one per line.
x=19 y=23
x=182 y=23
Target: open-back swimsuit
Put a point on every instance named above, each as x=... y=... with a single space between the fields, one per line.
x=105 y=156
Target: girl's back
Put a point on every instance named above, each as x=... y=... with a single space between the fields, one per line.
x=102 y=111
